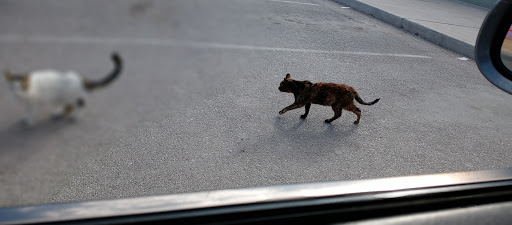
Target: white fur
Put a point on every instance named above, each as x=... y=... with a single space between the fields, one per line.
x=49 y=88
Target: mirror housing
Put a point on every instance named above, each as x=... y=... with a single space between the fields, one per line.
x=489 y=42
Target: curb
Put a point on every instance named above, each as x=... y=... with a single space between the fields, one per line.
x=428 y=34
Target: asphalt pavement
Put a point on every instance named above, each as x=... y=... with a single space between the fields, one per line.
x=196 y=107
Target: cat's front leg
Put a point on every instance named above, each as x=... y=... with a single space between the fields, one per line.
x=308 y=105
x=291 y=107
x=29 y=115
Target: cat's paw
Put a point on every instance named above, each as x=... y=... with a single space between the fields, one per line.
x=26 y=123
x=356 y=122
x=57 y=117
x=281 y=112
x=71 y=119
x=328 y=121
x=303 y=116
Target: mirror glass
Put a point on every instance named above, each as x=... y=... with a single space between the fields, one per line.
x=506 y=50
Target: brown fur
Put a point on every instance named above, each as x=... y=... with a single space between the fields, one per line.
x=25 y=83
x=9 y=76
x=338 y=96
x=24 y=79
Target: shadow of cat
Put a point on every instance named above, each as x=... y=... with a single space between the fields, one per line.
x=291 y=138
x=280 y=124
x=18 y=136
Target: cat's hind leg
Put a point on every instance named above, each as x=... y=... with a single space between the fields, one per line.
x=337 y=113
x=64 y=111
x=353 y=108
x=79 y=105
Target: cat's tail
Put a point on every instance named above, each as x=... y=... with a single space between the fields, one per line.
x=358 y=99
x=118 y=65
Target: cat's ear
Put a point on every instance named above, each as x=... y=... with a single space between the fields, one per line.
x=8 y=75
x=288 y=76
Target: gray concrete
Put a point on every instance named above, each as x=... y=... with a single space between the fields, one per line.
x=197 y=105
x=450 y=23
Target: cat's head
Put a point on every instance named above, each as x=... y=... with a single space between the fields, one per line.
x=8 y=76
x=16 y=82
x=290 y=85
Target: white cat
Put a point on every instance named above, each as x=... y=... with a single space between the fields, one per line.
x=64 y=91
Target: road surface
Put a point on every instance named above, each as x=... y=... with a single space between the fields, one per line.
x=196 y=107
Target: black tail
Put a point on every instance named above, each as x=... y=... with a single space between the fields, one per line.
x=358 y=99
x=118 y=65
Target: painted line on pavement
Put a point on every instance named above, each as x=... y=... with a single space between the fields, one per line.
x=292 y=2
x=179 y=43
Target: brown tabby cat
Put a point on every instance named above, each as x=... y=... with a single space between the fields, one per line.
x=338 y=96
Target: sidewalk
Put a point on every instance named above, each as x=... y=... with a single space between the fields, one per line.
x=450 y=23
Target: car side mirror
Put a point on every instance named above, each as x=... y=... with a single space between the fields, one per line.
x=493 y=49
